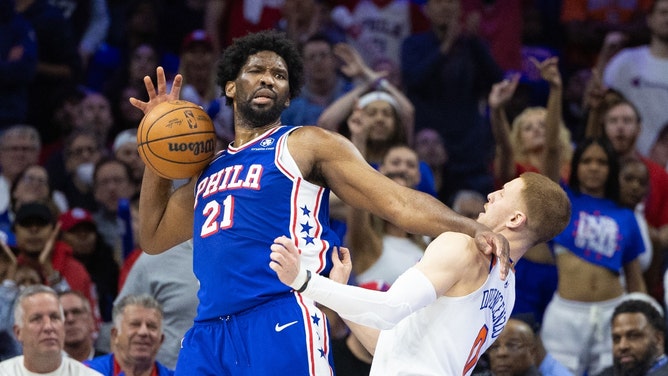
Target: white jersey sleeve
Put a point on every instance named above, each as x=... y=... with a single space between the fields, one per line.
x=376 y=309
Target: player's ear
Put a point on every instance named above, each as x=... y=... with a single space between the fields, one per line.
x=517 y=219
x=230 y=89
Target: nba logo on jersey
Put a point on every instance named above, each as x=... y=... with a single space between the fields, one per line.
x=267 y=142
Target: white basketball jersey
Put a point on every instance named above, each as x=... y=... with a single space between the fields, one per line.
x=448 y=336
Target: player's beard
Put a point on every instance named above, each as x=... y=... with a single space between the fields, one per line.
x=259 y=117
x=637 y=368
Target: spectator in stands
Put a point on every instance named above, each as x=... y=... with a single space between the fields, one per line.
x=163 y=277
x=619 y=121
x=90 y=23
x=640 y=74
x=226 y=20
x=112 y=182
x=198 y=68
x=601 y=239
x=37 y=245
x=322 y=82
x=659 y=151
x=431 y=150
x=80 y=153
x=638 y=337
x=18 y=64
x=79 y=231
x=124 y=149
x=19 y=148
x=514 y=351
x=135 y=339
x=303 y=19
x=537 y=141
x=40 y=329
x=58 y=63
x=376 y=28
x=80 y=328
x=445 y=74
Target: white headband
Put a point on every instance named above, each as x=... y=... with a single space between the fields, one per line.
x=374 y=96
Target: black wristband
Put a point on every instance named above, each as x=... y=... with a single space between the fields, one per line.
x=305 y=285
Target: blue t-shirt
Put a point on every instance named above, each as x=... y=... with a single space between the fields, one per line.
x=601 y=232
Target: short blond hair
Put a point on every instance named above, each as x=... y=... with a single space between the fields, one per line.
x=548 y=208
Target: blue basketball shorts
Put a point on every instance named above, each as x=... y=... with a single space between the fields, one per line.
x=287 y=336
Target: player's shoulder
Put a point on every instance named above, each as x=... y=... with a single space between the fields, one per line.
x=451 y=236
x=450 y=242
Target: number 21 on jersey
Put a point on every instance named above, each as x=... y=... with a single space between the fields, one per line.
x=218 y=216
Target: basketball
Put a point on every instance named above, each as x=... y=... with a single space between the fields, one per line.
x=176 y=139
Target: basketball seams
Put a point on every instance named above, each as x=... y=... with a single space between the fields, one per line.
x=181 y=154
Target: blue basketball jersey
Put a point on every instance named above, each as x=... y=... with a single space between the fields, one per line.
x=244 y=199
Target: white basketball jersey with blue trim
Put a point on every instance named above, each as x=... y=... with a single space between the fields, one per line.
x=448 y=336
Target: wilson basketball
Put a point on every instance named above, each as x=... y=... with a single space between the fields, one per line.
x=176 y=139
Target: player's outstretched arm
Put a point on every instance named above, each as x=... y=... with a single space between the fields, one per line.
x=375 y=309
x=330 y=159
x=165 y=217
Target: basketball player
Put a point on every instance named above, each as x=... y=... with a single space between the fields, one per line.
x=271 y=180
x=466 y=304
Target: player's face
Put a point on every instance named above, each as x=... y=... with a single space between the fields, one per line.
x=261 y=91
x=140 y=335
x=502 y=204
x=42 y=331
x=593 y=170
x=635 y=344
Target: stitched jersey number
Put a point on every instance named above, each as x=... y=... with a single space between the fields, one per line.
x=212 y=212
x=474 y=354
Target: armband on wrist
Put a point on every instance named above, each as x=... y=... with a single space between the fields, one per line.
x=305 y=285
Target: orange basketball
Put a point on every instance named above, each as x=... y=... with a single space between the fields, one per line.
x=176 y=139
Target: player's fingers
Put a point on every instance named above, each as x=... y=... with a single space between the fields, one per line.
x=162 y=82
x=176 y=86
x=137 y=103
x=150 y=89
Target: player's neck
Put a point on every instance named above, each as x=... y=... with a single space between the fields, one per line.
x=245 y=132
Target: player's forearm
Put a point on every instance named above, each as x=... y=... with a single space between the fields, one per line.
x=375 y=309
x=425 y=215
x=153 y=202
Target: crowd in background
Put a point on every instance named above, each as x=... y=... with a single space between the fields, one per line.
x=451 y=97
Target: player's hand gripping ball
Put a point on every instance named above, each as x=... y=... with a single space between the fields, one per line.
x=176 y=139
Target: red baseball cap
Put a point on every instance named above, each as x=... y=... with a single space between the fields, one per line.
x=197 y=37
x=75 y=216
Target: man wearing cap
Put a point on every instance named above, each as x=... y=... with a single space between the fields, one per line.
x=79 y=231
x=36 y=232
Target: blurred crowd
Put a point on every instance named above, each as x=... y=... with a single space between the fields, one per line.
x=451 y=97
